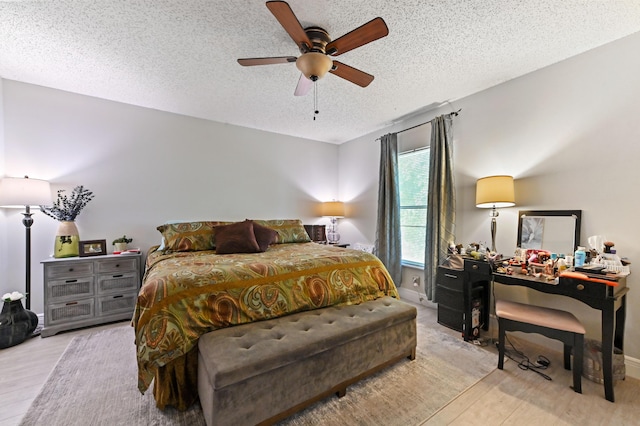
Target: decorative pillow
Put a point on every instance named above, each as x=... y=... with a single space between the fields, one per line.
x=288 y=230
x=264 y=236
x=236 y=238
x=189 y=236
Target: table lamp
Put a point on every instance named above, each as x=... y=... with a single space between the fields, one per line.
x=494 y=192
x=19 y=193
x=333 y=210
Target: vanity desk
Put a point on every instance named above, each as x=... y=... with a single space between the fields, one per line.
x=558 y=231
x=610 y=300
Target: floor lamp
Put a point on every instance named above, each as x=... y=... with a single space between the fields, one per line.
x=19 y=193
x=494 y=192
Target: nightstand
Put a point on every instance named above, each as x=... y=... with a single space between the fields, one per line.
x=85 y=291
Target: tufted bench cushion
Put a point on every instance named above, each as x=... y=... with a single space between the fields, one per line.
x=267 y=370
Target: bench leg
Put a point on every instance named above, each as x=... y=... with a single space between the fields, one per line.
x=501 y=332
x=567 y=357
x=412 y=355
x=341 y=392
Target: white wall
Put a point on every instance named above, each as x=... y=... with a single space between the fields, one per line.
x=145 y=167
x=569 y=135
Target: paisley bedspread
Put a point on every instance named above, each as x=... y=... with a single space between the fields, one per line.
x=187 y=294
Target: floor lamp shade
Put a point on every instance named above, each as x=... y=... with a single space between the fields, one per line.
x=21 y=192
x=25 y=192
x=494 y=192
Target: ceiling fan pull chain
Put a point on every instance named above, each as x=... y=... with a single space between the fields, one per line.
x=315 y=100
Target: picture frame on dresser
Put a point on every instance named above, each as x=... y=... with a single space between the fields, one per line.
x=93 y=248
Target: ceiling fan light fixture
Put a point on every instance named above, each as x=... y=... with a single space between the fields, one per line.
x=314 y=65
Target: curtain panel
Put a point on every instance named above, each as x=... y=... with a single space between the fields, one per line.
x=388 y=246
x=441 y=201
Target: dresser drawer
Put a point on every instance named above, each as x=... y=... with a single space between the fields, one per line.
x=116 y=304
x=450 y=318
x=76 y=310
x=450 y=278
x=450 y=298
x=117 y=283
x=477 y=267
x=70 y=289
x=123 y=264
x=69 y=270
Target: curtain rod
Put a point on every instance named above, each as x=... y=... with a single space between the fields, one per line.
x=454 y=113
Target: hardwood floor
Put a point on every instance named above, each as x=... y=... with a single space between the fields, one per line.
x=510 y=396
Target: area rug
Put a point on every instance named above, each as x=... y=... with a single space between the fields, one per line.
x=95 y=383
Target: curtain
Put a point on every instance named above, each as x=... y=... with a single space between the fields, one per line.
x=388 y=246
x=441 y=201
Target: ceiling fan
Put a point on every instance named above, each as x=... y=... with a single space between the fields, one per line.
x=316 y=46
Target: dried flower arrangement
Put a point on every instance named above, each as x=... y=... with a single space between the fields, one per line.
x=68 y=208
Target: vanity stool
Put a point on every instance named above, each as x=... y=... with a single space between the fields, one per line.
x=552 y=323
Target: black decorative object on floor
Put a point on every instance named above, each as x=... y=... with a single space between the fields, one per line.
x=16 y=323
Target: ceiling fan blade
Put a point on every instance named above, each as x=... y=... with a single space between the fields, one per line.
x=354 y=75
x=249 y=62
x=372 y=30
x=288 y=20
x=303 y=87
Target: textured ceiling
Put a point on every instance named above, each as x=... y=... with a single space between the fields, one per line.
x=180 y=56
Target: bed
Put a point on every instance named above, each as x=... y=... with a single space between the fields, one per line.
x=196 y=282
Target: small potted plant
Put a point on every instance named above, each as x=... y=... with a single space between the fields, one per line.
x=121 y=243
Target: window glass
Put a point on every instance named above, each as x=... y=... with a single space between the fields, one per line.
x=414 y=183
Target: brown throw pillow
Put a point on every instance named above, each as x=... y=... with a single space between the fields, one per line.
x=264 y=236
x=236 y=238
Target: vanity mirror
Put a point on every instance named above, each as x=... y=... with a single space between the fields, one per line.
x=557 y=231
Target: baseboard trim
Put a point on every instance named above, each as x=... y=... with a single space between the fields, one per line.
x=416 y=297
x=632 y=367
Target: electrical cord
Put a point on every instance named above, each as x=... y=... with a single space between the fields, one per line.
x=542 y=363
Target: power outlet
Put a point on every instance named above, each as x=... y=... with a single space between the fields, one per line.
x=416 y=281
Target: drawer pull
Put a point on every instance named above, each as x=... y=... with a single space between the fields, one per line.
x=71 y=281
x=71 y=303
x=455 y=277
x=580 y=286
x=70 y=269
x=118 y=276
x=117 y=265
x=118 y=296
x=474 y=266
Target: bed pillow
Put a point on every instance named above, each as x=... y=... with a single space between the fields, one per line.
x=189 y=236
x=264 y=236
x=288 y=230
x=236 y=238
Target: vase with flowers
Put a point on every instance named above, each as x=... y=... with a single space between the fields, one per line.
x=65 y=210
x=16 y=322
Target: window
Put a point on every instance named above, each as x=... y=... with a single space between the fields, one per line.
x=414 y=184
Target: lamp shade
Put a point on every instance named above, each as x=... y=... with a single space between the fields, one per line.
x=495 y=191
x=314 y=65
x=20 y=192
x=333 y=209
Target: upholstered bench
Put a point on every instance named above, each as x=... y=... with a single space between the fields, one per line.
x=552 y=323
x=262 y=372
